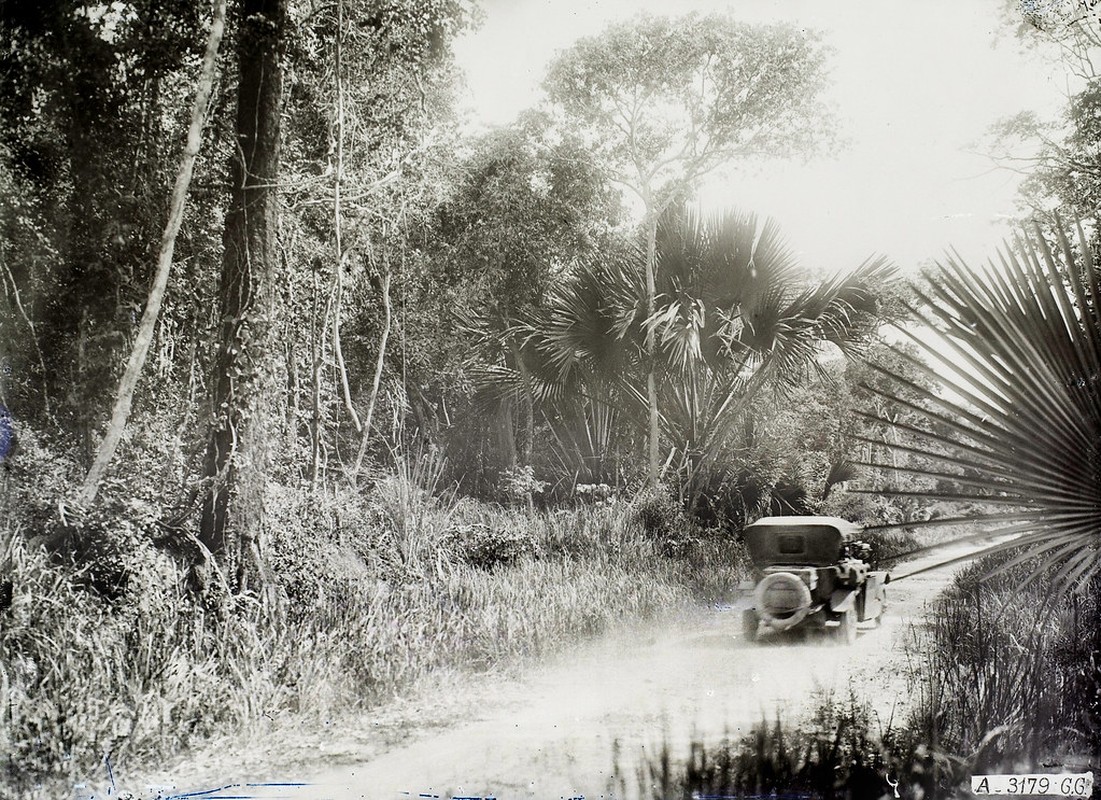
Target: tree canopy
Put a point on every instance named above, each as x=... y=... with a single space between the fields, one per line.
x=668 y=100
x=377 y=277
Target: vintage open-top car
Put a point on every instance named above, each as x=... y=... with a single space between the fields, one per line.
x=811 y=571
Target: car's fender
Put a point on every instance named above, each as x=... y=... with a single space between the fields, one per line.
x=843 y=599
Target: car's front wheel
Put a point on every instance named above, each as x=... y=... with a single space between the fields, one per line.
x=750 y=625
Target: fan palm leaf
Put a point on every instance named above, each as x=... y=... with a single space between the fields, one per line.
x=1018 y=345
x=590 y=323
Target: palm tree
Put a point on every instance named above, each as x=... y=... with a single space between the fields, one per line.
x=738 y=316
x=734 y=315
x=1018 y=344
x=576 y=351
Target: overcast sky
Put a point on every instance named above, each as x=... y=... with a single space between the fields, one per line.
x=916 y=85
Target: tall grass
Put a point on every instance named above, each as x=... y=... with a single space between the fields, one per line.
x=379 y=593
x=1012 y=678
x=839 y=756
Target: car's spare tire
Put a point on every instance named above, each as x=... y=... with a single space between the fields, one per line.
x=782 y=600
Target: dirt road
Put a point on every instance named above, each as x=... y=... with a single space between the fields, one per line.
x=559 y=731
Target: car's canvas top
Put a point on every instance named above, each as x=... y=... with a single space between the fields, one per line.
x=798 y=541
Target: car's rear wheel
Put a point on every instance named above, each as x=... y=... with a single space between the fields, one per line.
x=750 y=625
x=846 y=631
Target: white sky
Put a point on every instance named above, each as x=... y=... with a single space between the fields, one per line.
x=915 y=83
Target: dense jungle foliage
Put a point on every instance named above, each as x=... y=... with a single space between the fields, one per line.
x=300 y=375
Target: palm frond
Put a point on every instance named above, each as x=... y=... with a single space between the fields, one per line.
x=590 y=323
x=1017 y=344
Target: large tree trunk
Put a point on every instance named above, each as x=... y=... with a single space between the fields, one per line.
x=249 y=262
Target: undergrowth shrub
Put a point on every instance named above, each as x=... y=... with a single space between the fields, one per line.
x=319 y=541
x=35 y=479
x=586 y=532
x=519 y=485
x=889 y=544
x=877 y=509
x=381 y=588
x=487 y=546
x=663 y=518
x=111 y=541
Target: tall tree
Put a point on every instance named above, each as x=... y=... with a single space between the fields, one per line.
x=1060 y=159
x=738 y=315
x=670 y=100
x=529 y=208
x=248 y=266
x=359 y=124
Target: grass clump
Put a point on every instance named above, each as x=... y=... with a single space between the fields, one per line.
x=712 y=561
x=838 y=756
